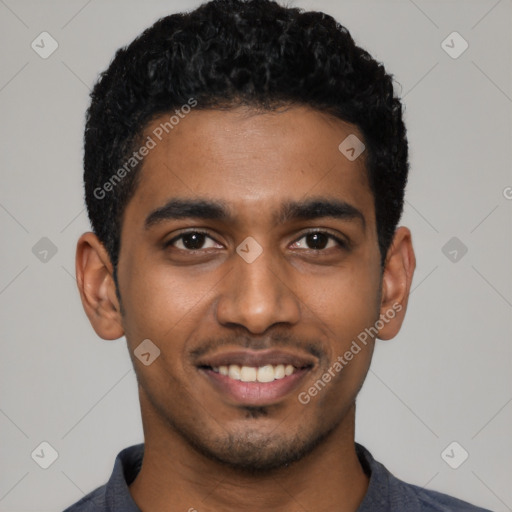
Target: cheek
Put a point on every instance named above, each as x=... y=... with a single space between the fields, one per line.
x=351 y=308
x=348 y=302
x=159 y=300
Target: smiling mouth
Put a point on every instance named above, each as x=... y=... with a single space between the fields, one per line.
x=262 y=374
x=261 y=377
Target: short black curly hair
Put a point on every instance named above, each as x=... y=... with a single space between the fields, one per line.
x=229 y=53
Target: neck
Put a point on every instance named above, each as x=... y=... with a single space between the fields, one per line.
x=175 y=477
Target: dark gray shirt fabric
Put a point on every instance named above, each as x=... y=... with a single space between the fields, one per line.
x=385 y=492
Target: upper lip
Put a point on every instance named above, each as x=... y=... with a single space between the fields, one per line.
x=256 y=358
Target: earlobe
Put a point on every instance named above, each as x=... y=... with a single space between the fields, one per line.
x=97 y=288
x=396 y=283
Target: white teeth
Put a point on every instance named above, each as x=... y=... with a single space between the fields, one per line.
x=248 y=374
x=279 y=371
x=234 y=372
x=266 y=373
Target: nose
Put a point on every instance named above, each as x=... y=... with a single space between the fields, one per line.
x=257 y=295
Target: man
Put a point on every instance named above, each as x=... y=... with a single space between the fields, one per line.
x=245 y=167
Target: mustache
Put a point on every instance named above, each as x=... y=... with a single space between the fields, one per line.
x=281 y=341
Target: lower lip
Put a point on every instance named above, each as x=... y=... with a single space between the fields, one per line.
x=255 y=393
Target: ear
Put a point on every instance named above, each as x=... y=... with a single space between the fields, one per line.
x=94 y=276
x=396 y=283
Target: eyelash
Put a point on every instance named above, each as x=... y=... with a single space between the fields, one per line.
x=341 y=243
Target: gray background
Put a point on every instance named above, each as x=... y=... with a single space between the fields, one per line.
x=446 y=377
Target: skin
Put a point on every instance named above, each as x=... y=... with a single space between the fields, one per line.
x=202 y=449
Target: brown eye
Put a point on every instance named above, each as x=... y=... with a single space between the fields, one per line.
x=318 y=241
x=192 y=241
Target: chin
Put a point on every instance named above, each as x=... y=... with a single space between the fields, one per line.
x=253 y=450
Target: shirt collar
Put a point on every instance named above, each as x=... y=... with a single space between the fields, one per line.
x=126 y=468
x=129 y=461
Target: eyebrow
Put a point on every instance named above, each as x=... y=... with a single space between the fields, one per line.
x=180 y=208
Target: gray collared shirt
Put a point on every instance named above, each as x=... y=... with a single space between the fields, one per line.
x=385 y=492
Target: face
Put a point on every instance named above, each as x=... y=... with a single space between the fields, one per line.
x=249 y=257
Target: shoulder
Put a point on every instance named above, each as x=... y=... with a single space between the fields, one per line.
x=433 y=501
x=92 y=502
x=390 y=494
x=115 y=494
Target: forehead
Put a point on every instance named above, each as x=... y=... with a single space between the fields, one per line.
x=251 y=160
